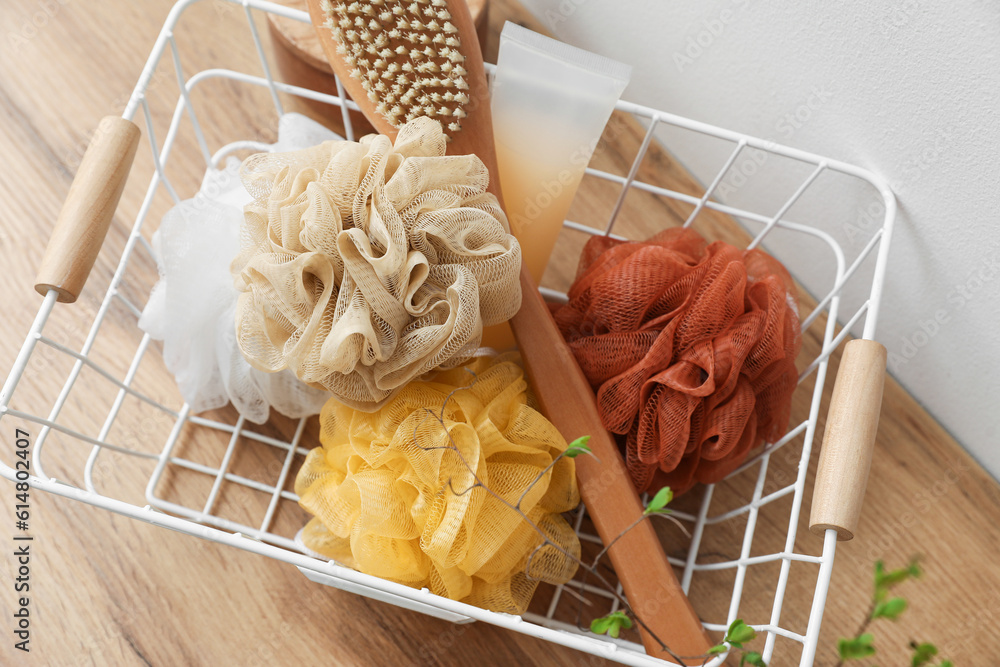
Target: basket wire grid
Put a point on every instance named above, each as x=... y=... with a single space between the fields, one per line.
x=202 y=520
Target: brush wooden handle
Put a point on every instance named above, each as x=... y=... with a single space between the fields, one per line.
x=851 y=425
x=86 y=214
x=612 y=502
x=476 y=136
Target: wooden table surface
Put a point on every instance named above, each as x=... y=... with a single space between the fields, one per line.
x=107 y=590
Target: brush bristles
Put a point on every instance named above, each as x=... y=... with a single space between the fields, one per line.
x=406 y=54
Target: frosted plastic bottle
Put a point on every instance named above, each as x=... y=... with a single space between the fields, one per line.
x=550 y=103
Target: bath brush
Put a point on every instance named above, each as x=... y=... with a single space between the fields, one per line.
x=400 y=60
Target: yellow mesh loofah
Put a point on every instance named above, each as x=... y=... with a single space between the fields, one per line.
x=394 y=496
x=367 y=264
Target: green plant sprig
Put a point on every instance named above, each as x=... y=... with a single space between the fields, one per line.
x=738 y=634
x=890 y=607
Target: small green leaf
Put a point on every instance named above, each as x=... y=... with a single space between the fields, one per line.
x=922 y=653
x=578 y=446
x=717 y=649
x=752 y=658
x=620 y=622
x=659 y=501
x=946 y=663
x=885 y=580
x=600 y=625
x=900 y=575
x=890 y=609
x=739 y=633
x=611 y=624
x=853 y=649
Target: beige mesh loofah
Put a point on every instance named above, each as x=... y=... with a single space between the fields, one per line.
x=365 y=265
x=394 y=496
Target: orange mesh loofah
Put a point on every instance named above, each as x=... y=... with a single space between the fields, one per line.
x=400 y=495
x=690 y=347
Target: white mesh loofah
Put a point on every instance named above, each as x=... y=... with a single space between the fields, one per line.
x=365 y=265
x=192 y=307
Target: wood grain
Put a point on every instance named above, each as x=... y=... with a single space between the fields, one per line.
x=849 y=440
x=90 y=204
x=111 y=591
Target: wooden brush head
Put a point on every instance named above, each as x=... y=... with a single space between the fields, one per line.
x=400 y=60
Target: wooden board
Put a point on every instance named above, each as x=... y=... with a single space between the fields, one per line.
x=109 y=590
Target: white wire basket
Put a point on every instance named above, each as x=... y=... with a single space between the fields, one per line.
x=721 y=552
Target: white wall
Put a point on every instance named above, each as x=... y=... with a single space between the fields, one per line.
x=909 y=90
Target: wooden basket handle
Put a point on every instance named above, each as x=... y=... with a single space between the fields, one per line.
x=851 y=425
x=85 y=216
